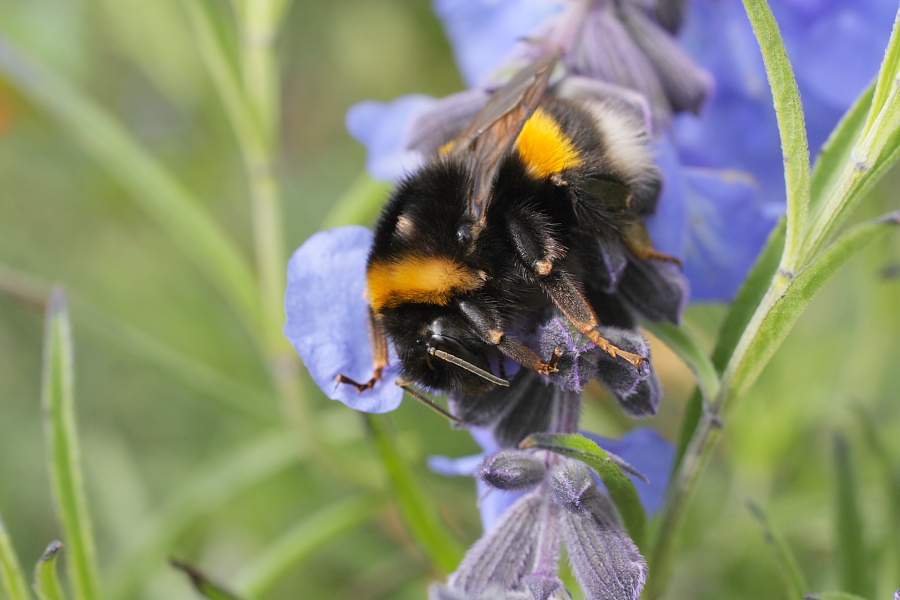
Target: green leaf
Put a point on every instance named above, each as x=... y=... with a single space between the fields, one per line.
x=886 y=82
x=791 y=126
x=419 y=511
x=58 y=401
x=360 y=204
x=202 y=583
x=688 y=348
x=794 y=583
x=792 y=301
x=851 y=547
x=46 y=582
x=151 y=186
x=620 y=487
x=11 y=576
x=832 y=596
x=838 y=149
x=752 y=292
x=303 y=541
x=212 y=487
x=875 y=150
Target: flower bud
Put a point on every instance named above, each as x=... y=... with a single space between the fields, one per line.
x=513 y=470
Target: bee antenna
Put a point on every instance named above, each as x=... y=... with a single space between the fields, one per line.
x=409 y=389
x=468 y=367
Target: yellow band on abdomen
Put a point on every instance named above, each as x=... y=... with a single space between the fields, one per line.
x=545 y=148
x=419 y=279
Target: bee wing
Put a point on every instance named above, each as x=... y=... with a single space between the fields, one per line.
x=494 y=130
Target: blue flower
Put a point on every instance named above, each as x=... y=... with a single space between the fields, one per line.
x=327 y=316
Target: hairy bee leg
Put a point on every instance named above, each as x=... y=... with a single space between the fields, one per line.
x=380 y=354
x=538 y=251
x=407 y=387
x=568 y=297
x=489 y=329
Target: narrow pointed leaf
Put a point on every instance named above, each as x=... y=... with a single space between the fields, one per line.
x=794 y=583
x=12 y=579
x=151 y=186
x=791 y=124
x=620 y=487
x=58 y=400
x=875 y=150
x=303 y=541
x=418 y=511
x=886 y=81
x=46 y=581
x=688 y=348
x=851 y=546
x=837 y=150
x=784 y=314
x=204 y=586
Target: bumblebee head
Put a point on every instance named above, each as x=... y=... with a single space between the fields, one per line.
x=440 y=350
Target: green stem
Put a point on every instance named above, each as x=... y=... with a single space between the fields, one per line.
x=702 y=444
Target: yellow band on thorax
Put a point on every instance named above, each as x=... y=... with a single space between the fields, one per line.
x=544 y=147
x=419 y=279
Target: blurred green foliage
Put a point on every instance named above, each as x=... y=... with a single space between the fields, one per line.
x=187 y=451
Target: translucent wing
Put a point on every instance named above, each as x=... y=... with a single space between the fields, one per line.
x=494 y=130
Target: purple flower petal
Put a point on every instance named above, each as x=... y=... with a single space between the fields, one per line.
x=385 y=130
x=327 y=317
x=505 y=553
x=455 y=467
x=484 y=32
x=494 y=503
x=730 y=224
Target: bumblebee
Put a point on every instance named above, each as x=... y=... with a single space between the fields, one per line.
x=532 y=208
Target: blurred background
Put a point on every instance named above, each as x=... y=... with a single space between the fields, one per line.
x=188 y=452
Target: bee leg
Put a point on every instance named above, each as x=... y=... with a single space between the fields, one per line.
x=566 y=294
x=539 y=250
x=526 y=357
x=637 y=239
x=378 y=338
x=488 y=328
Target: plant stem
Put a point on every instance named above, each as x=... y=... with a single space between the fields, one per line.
x=258 y=22
x=704 y=441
